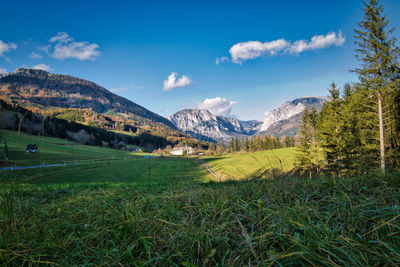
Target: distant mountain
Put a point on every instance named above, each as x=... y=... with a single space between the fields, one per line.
x=251 y=127
x=38 y=88
x=286 y=119
x=204 y=125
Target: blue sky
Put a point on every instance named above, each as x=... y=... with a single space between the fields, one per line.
x=162 y=54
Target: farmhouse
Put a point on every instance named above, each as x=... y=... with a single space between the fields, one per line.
x=179 y=151
x=32 y=148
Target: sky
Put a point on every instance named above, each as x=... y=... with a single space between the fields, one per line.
x=234 y=58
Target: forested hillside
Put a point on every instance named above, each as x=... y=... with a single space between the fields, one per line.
x=358 y=130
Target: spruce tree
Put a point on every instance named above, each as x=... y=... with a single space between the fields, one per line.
x=306 y=139
x=350 y=133
x=378 y=79
x=246 y=145
x=331 y=131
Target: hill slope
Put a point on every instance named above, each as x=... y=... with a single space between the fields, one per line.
x=38 y=88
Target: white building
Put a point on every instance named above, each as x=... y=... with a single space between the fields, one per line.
x=178 y=151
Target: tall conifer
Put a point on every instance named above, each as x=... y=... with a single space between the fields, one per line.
x=378 y=76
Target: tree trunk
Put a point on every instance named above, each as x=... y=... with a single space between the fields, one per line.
x=381 y=137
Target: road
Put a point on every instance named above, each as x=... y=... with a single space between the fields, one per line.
x=37 y=166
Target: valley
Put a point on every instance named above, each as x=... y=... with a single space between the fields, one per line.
x=169 y=211
x=122 y=139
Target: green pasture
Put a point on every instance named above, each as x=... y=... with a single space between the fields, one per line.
x=51 y=150
x=137 y=211
x=137 y=171
x=263 y=164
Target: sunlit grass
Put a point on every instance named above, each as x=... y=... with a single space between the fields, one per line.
x=238 y=166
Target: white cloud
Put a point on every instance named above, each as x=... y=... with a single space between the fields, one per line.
x=5 y=48
x=220 y=60
x=42 y=67
x=318 y=42
x=253 y=49
x=126 y=88
x=45 y=48
x=65 y=47
x=35 y=55
x=61 y=37
x=171 y=82
x=218 y=105
x=3 y=70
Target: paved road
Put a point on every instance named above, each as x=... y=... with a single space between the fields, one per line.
x=37 y=166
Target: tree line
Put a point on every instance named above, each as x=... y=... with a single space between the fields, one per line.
x=253 y=144
x=358 y=130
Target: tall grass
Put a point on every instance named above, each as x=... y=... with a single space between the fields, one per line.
x=288 y=221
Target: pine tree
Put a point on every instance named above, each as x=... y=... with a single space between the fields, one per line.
x=236 y=146
x=378 y=80
x=246 y=145
x=221 y=148
x=350 y=133
x=306 y=138
x=331 y=130
x=231 y=145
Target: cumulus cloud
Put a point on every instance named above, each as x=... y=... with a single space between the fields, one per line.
x=42 y=67
x=3 y=70
x=171 y=82
x=220 y=60
x=253 y=49
x=218 y=105
x=35 y=55
x=5 y=48
x=64 y=47
x=318 y=42
x=243 y=51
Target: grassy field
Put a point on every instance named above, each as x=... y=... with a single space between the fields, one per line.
x=51 y=150
x=166 y=211
x=263 y=164
x=136 y=171
x=289 y=221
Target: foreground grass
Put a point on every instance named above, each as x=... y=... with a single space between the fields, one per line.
x=265 y=164
x=289 y=221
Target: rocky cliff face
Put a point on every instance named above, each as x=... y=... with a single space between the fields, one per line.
x=204 y=125
x=31 y=87
x=285 y=120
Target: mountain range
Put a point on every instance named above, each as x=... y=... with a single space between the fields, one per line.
x=284 y=120
x=40 y=89
x=204 y=125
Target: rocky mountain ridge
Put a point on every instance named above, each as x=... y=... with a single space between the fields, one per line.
x=284 y=120
x=204 y=125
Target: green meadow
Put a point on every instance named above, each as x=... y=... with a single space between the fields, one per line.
x=51 y=150
x=137 y=211
x=263 y=164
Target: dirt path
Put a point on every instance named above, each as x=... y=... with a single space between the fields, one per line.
x=211 y=171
